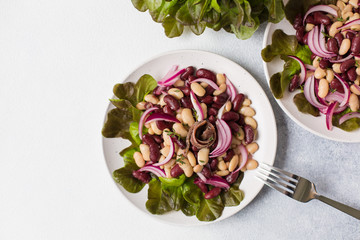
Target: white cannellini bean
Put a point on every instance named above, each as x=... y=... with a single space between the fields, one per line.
x=345 y=46
x=166 y=137
x=197 y=89
x=323 y=88
x=139 y=160
x=354 y=102
x=251 y=164
x=187 y=117
x=252 y=147
x=329 y=75
x=233 y=163
x=222 y=88
x=203 y=156
x=251 y=121
x=165 y=150
x=198 y=168
x=334 y=28
x=192 y=159
x=145 y=151
x=220 y=79
x=176 y=93
x=154 y=127
x=151 y=98
x=186 y=167
x=222 y=173
x=141 y=105
x=179 y=129
x=247 y=111
x=354 y=90
x=319 y=73
x=204 y=108
x=221 y=166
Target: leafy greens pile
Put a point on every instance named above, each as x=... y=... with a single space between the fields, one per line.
x=164 y=194
x=283 y=45
x=241 y=17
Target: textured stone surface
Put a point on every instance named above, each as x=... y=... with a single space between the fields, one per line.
x=59 y=61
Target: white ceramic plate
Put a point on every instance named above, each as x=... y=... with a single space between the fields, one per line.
x=315 y=125
x=245 y=83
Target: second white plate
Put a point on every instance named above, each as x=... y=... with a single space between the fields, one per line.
x=315 y=125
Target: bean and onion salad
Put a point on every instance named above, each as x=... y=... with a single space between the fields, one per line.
x=331 y=83
x=196 y=123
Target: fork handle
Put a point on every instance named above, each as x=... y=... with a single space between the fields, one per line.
x=342 y=207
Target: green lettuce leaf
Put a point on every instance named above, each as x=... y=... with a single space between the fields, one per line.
x=124 y=177
x=304 y=106
x=234 y=195
x=349 y=125
x=275 y=9
x=134 y=132
x=140 y=5
x=128 y=155
x=118 y=123
x=275 y=85
x=282 y=44
x=172 y=27
x=189 y=209
x=173 y=182
x=158 y=202
x=210 y=209
x=174 y=193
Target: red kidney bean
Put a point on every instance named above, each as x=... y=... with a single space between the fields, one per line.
x=305 y=38
x=229 y=155
x=202 y=187
x=207 y=100
x=206 y=172
x=142 y=176
x=355 y=45
x=346 y=65
x=158 y=139
x=351 y=73
x=216 y=106
x=148 y=139
x=238 y=101
x=241 y=120
x=332 y=45
x=300 y=34
x=157 y=91
x=327 y=27
x=230 y=116
x=154 y=152
x=220 y=100
x=294 y=83
x=209 y=90
x=249 y=134
x=172 y=102
x=339 y=38
x=320 y=18
x=186 y=102
x=164 y=124
x=234 y=126
x=231 y=178
x=212 y=193
x=167 y=110
x=212 y=119
x=205 y=73
x=176 y=171
x=350 y=35
x=344 y=76
x=192 y=78
x=310 y=19
x=212 y=111
x=181 y=143
x=188 y=71
x=159 y=110
x=336 y=85
x=213 y=164
x=324 y=63
x=298 y=21
x=185 y=90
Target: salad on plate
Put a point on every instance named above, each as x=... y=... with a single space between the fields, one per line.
x=321 y=60
x=192 y=136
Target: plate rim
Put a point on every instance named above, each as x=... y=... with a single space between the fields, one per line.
x=275 y=137
x=279 y=101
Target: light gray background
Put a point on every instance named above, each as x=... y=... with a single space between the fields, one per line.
x=58 y=62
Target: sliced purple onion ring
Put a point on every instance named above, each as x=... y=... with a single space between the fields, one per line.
x=341 y=60
x=309 y=93
x=169 y=156
x=201 y=176
x=302 y=68
x=218 y=182
x=244 y=157
x=171 y=77
x=349 y=116
x=161 y=117
x=322 y=8
x=143 y=118
x=329 y=115
x=346 y=90
x=197 y=106
x=310 y=67
x=349 y=24
x=208 y=81
x=230 y=89
x=153 y=169
x=224 y=136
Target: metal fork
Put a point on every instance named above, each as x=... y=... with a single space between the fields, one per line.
x=297 y=187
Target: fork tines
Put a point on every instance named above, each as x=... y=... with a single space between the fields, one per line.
x=278 y=179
